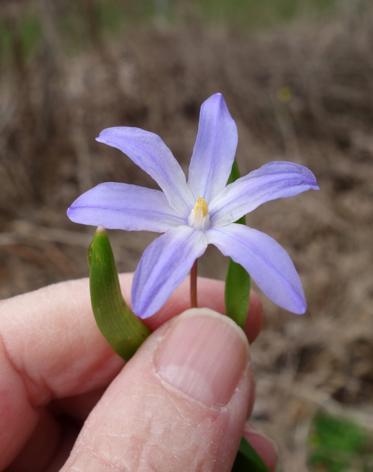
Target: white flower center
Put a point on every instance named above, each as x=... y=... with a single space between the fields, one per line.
x=199 y=216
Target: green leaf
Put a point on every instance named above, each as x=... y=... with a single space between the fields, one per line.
x=248 y=460
x=123 y=330
x=237 y=281
x=339 y=445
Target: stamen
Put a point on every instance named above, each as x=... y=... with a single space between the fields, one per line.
x=201 y=207
x=199 y=216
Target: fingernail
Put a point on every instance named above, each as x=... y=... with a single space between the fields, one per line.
x=204 y=356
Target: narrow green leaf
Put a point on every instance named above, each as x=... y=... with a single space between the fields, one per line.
x=237 y=281
x=119 y=325
x=248 y=459
x=338 y=445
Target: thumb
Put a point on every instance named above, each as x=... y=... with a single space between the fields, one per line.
x=179 y=404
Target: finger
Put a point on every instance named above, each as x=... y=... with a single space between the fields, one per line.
x=48 y=447
x=39 y=450
x=180 y=403
x=254 y=321
x=262 y=445
x=52 y=341
x=53 y=349
x=13 y=405
x=210 y=295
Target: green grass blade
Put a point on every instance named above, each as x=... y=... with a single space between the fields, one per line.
x=237 y=281
x=247 y=459
x=119 y=325
x=339 y=445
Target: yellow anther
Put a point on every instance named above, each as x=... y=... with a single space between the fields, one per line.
x=201 y=208
x=199 y=216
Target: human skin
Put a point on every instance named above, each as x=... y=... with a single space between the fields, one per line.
x=67 y=402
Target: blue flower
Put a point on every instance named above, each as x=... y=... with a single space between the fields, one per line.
x=196 y=212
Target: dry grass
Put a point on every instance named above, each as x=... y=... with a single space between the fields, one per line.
x=304 y=94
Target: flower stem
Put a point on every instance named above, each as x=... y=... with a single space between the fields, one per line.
x=193 y=285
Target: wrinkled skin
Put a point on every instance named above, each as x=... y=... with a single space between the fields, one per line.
x=67 y=402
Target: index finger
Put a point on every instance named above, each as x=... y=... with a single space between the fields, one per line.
x=51 y=338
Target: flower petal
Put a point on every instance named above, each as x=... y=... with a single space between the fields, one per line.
x=122 y=206
x=214 y=149
x=277 y=179
x=163 y=266
x=265 y=260
x=150 y=153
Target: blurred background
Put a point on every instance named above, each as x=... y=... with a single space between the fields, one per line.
x=298 y=79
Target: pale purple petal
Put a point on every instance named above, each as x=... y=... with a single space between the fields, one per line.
x=278 y=179
x=265 y=260
x=214 y=149
x=163 y=266
x=150 y=153
x=122 y=206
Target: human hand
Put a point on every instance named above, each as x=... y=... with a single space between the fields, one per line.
x=180 y=404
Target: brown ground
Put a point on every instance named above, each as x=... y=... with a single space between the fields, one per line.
x=305 y=94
